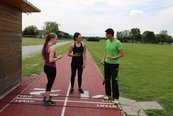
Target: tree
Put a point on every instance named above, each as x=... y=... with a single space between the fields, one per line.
x=119 y=35
x=136 y=34
x=163 y=32
x=62 y=34
x=51 y=27
x=164 y=37
x=124 y=36
x=30 y=31
x=149 y=37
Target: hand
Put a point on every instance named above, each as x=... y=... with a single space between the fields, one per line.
x=60 y=56
x=77 y=54
x=102 y=61
x=103 y=82
x=110 y=58
x=83 y=66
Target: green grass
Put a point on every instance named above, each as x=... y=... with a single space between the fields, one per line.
x=34 y=41
x=34 y=65
x=145 y=73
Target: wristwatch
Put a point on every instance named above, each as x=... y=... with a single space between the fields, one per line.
x=114 y=57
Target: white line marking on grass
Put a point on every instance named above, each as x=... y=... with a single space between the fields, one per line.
x=66 y=100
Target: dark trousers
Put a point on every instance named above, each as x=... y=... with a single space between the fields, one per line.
x=76 y=66
x=111 y=73
x=51 y=74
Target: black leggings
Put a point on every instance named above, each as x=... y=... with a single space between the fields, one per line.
x=76 y=66
x=51 y=74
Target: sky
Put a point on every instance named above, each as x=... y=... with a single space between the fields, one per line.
x=93 y=17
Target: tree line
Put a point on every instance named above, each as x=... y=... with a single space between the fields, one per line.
x=134 y=35
x=49 y=27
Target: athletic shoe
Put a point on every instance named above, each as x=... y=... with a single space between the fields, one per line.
x=115 y=102
x=45 y=98
x=106 y=98
x=71 y=90
x=49 y=102
x=80 y=90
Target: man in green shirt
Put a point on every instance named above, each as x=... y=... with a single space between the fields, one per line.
x=114 y=51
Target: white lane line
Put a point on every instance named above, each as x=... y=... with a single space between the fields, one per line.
x=54 y=95
x=97 y=96
x=66 y=100
x=70 y=101
x=20 y=93
x=43 y=89
x=39 y=89
x=38 y=93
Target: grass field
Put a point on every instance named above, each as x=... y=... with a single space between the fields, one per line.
x=145 y=73
x=34 y=41
x=31 y=41
x=34 y=65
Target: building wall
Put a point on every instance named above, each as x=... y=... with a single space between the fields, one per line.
x=10 y=47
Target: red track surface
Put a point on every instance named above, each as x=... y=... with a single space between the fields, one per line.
x=20 y=103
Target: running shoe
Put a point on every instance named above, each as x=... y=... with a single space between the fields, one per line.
x=106 y=98
x=115 y=102
x=45 y=98
x=49 y=103
x=80 y=90
x=71 y=90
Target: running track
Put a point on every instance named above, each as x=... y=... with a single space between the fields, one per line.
x=21 y=102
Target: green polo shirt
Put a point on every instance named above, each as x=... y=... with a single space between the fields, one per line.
x=113 y=50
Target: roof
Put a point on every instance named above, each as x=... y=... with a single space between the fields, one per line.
x=22 y=5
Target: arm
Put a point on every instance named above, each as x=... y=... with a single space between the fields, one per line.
x=84 y=56
x=104 y=57
x=120 y=54
x=70 y=51
x=51 y=55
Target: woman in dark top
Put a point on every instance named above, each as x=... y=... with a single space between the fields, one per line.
x=77 y=51
x=50 y=59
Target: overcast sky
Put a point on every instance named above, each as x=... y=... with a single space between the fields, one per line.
x=92 y=17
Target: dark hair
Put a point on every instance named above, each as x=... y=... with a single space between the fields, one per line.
x=110 y=31
x=48 y=38
x=76 y=35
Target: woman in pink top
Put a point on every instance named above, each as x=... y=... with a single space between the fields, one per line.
x=50 y=59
